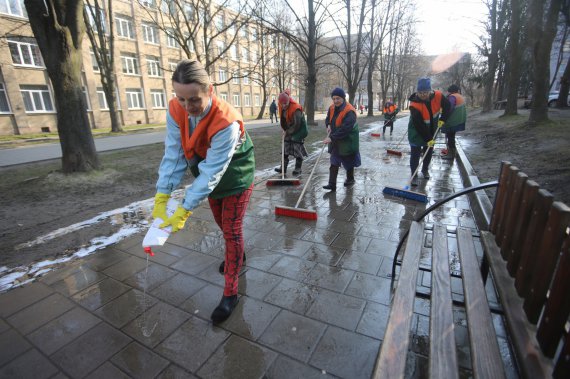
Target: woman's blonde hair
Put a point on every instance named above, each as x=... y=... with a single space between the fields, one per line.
x=188 y=71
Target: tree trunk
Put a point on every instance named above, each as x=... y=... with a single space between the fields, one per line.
x=311 y=82
x=513 y=68
x=564 y=87
x=492 y=59
x=541 y=36
x=59 y=31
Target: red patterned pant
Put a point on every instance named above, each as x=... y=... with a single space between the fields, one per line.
x=228 y=213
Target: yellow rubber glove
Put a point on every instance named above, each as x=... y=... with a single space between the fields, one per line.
x=159 y=210
x=440 y=123
x=430 y=143
x=177 y=220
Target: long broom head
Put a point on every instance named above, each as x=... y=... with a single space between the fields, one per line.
x=375 y=134
x=394 y=152
x=306 y=214
x=282 y=182
x=416 y=196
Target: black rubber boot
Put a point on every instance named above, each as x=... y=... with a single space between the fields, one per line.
x=349 y=178
x=224 y=309
x=298 y=164
x=286 y=162
x=333 y=173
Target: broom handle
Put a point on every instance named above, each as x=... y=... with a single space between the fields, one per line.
x=423 y=157
x=401 y=139
x=310 y=176
x=283 y=157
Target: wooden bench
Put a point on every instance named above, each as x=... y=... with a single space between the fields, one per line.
x=526 y=251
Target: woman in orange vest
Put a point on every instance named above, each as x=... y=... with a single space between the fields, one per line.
x=207 y=135
x=343 y=139
x=294 y=125
x=390 y=111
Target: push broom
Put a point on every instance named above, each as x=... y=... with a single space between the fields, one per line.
x=405 y=192
x=394 y=151
x=307 y=214
x=283 y=181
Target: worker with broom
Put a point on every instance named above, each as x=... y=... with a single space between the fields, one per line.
x=429 y=110
x=343 y=139
x=390 y=111
x=207 y=135
x=456 y=121
x=294 y=125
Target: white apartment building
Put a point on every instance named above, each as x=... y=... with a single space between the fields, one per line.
x=144 y=60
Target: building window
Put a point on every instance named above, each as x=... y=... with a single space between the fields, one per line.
x=94 y=63
x=37 y=99
x=219 y=23
x=244 y=54
x=172 y=65
x=233 y=52
x=236 y=99
x=134 y=98
x=246 y=100
x=13 y=8
x=103 y=105
x=124 y=27
x=158 y=99
x=171 y=41
x=150 y=34
x=254 y=34
x=256 y=100
x=254 y=55
x=25 y=52
x=221 y=48
x=86 y=99
x=130 y=64
x=153 y=66
x=4 y=104
x=245 y=79
x=148 y=4
x=92 y=18
x=224 y=96
x=235 y=78
x=221 y=75
x=245 y=33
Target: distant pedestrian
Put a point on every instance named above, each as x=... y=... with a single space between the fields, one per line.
x=206 y=135
x=456 y=121
x=429 y=109
x=343 y=140
x=294 y=125
x=390 y=111
x=273 y=111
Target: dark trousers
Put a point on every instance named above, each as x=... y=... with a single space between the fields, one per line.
x=273 y=115
x=228 y=213
x=450 y=140
x=417 y=151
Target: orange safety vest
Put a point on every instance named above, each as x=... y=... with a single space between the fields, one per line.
x=293 y=106
x=220 y=116
x=390 y=109
x=435 y=107
x=341 y=115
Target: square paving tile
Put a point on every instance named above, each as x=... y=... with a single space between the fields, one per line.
x=139 y=362
x=178 y=288
x=324 y=254
x=257 y=284
x=107 y=370
x=351 y=242
x=346 y=354
x=39 y=313
x=293 y=268
x=194 y=263
x=125 y=268
x=250 y=318
x=78 y=281
x=105 y=258
x=125 y=308
x=293 y=295
x=286 y=368
x=370 y=287
x=332 y=278
x=290 y=246
x=21 y=297
x=90 y=350
x=293 y=335
x=175 y=372
x=382 y=247
x=262 y=259
x=238 y=358
x=100 y=293
x=325 y=237
x=374 y=320
x=31 y=364
x=152 y=276
x=337 y=309
x=64 y=329
x=156 y=324
x=203 y=302
x=362 y=262
x=12 y=344
x=192 y=344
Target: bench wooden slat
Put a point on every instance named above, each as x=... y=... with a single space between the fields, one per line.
x=442 y=354
x=562 y=368
x=523 y=220
x=509 y=188
x=532 y=241
x=500 y=197
x=557 y=309
x=392 y=360
x=512 y=214
x=547 y=257
x=521 y=333
x=485 y=353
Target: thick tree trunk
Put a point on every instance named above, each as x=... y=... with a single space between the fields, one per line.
x=492 y=61
x=59 y=31
x=513 y=68
x=541 y=35
x=564 y=87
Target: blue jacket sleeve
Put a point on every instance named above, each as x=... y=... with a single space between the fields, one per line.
x=173 y=164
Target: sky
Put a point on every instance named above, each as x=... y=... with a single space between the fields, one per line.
x=448 y=25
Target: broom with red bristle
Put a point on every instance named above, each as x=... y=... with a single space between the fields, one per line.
x=282 y=181
x=307 y=214
x=394 y=151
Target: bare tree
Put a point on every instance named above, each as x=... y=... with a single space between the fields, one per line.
x=96 y=17
x=514 y=58
x=541 y=29
x=59 y=29
x=565 y=79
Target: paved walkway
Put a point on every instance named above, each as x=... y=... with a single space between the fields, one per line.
x=314 y=295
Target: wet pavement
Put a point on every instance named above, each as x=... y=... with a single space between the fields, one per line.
x=314 y=295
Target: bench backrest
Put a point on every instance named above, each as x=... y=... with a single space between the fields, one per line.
x=531 y=231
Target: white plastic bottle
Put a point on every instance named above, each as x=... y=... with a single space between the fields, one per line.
x=157 y=236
